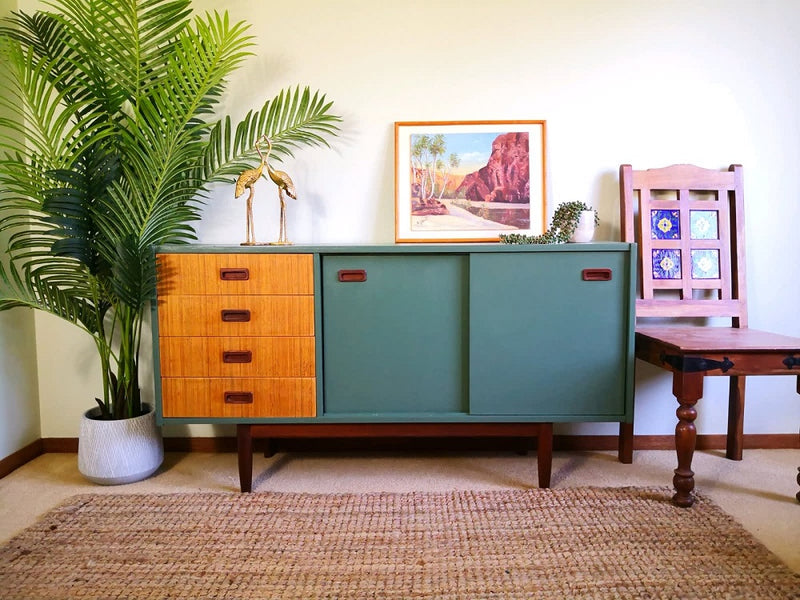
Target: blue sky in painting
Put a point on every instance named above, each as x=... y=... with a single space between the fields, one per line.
x=474 y=149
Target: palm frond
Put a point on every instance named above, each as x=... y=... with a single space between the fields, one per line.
x=40 y=292
x=44 y=34
x=133 y=273
x=292 y=119
x=119 y=47
x=44 y=121
x=200 y=60
x=108 y=142
x=72 y=207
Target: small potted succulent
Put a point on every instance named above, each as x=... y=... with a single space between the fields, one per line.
x=572 y=222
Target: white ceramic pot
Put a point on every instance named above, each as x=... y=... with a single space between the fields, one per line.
x=584 y=231
x=120 y=451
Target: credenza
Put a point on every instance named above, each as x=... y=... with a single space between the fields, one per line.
x=394 y=340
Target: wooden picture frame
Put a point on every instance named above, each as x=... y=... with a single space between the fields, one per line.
x=469 y=181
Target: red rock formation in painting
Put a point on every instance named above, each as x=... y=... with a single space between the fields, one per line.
x=506 y=177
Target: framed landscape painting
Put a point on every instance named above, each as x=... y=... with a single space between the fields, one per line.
x=469 y=181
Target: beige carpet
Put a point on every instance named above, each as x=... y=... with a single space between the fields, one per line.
x=561 y=543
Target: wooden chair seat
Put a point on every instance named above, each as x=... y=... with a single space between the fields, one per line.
x=689 y=224
x=747 y=342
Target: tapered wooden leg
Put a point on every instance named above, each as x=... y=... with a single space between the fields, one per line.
x=244 y=448
x=688 y=389
x=269 y=448
x=544 y=453
x=625 y=451
x=735 y=443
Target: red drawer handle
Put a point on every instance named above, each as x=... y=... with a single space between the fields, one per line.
x=596 y=274
x=238 y=397
x=235 y=316
x=234 y=274
x=352 y=275
x=237 y=356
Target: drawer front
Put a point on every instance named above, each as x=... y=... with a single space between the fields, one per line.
x=236 y=316
x=237 y=357
x=236 y=335
x=239 y=397
x=221 y=274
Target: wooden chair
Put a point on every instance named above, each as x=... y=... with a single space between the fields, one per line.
x=689 y=224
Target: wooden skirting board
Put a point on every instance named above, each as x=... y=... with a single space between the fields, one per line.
x=22 y=456
x=583 y=443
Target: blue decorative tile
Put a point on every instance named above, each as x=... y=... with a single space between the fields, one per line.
x=665 y=224
x=666 y=264
x=704 y=224
x=705 y=264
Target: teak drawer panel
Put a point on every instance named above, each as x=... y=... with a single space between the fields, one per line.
x=237 y=357
x=180 y=274
x=268 y=316
x=270 y=397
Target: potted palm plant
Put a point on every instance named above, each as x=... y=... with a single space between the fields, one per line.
x=112 y=144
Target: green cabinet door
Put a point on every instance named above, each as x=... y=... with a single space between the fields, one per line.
x=545 y=341
x=396 y=341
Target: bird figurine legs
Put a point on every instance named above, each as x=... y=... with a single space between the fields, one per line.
x=282 y=238
x=250 y=236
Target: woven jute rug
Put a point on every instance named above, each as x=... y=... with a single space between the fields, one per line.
x=560 y=543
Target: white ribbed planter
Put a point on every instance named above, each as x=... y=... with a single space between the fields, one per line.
x=584 y=231
x=121 y=451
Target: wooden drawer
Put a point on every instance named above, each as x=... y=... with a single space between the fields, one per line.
x=243 y=316
x=237 y=357
x=236 y=335
x=268 y=397
x=215 y=274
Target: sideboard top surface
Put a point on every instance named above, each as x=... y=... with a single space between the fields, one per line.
x=395 y=248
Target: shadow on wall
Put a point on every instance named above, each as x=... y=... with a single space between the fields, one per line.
x=606 y=190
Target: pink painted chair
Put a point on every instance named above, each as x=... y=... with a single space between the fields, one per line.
x=689 y=224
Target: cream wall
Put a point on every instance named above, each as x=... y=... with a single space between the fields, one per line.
x=645 y=82
x=19 y=402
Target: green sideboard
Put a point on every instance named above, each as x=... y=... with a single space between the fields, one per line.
x=455 y=339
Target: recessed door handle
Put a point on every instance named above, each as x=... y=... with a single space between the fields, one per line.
x=596 y=274
x=352 y=275
x=238 y=397
x=235 y=316
x=234 y=274
x=237 y=356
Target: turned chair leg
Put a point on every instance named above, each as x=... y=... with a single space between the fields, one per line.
x=688 y=389
x=735 y=442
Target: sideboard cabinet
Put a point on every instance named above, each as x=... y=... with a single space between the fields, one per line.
x=456 y=339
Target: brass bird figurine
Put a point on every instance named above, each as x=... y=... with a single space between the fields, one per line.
x=247 y=180
x=285 y=184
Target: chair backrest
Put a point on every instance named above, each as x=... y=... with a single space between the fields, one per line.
x=689 y=224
